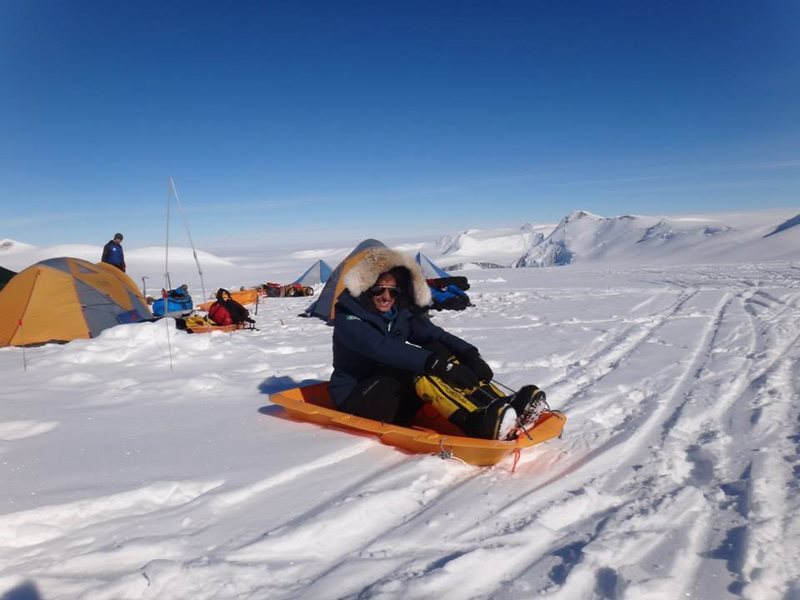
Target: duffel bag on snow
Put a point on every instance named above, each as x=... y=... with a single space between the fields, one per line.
x=273 y=290
x=177 y=301
x=449 y=298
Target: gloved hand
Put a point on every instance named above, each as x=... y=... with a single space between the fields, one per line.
x=451 y=373
x=473 y=361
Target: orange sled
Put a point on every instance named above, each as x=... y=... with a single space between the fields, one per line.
x=210 y=328
x=241 y=296
x=430 y=434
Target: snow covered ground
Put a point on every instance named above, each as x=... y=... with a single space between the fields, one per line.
x=150 y=463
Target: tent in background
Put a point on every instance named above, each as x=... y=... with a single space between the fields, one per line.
x=62 y=299
x=448 y=291
x=319 y=272
x=323 y=307
x=5 y=277
x=429 y=268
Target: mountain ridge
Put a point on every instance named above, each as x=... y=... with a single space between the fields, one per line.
x=580 y=238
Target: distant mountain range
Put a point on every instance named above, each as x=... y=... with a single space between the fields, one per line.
x=580 y=238
x=585 y=238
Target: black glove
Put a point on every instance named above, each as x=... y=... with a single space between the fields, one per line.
x=451 y=373
x=473 y=360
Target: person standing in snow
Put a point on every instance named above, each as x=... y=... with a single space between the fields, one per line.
x=113 y=254
x=386 y=351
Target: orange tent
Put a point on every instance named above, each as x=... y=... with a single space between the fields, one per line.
x=324 y=306
x=62 y=299
x=5 y=277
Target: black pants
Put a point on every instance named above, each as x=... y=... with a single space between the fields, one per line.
x=387 y=397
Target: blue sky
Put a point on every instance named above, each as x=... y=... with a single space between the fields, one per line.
x=345 y=120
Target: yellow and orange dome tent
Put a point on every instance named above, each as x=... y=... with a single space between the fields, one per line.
x=5 y=276
x=63 y=299
x=324 y=306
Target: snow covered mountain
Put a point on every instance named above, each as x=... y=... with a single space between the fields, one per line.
x=8 y=247
x=788 y=224
x=497 y=247
x=586 y=238
x=580 y=238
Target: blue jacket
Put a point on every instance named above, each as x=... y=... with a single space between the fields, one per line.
x=113 y=255
x=364 y=342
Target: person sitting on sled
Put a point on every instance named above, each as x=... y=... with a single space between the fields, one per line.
x=388 y=357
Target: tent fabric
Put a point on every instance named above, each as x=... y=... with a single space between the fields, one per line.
x=324 y=306
x=429 y=268
x=62 y=299
x=319 y=272
x=447 y=291
x=5 y=276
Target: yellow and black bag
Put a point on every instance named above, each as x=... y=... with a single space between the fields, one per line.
x=477 y=411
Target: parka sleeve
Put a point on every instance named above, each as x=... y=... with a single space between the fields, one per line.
x=424 y=331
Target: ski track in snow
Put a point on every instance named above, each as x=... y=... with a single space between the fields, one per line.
x=676 y=477
x=16 y=430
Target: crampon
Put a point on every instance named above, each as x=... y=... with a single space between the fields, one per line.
x=529 y=402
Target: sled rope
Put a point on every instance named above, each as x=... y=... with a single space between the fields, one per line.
x=445 y=453
x=517 y=454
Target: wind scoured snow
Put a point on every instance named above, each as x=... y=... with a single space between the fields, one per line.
x=503 y=246
x=150 y=463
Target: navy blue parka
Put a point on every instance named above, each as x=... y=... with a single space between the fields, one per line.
x=114 y=255
x=364 y=343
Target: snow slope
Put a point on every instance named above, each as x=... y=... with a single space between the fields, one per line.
x=582 y=237
x=150 y=463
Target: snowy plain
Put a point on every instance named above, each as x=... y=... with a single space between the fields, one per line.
x=150 y=463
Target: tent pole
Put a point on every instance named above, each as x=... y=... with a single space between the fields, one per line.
x=189 y=234
x=167 y=285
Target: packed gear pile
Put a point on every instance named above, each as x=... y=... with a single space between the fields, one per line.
x=291 y=290
x=172 y=302
x=227 y=311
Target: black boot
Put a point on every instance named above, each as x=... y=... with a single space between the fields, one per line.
x=529 y=402
x=480 y=415
x=494 y=422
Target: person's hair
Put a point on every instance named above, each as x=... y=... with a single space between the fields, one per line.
x=403 y=279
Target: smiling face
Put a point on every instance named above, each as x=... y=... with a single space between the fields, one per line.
x=384 y=301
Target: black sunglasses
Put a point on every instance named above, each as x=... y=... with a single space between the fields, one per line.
x=377 y=290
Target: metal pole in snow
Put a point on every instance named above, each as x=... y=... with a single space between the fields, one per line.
x=166 y=247
x=167 y=285
x=22 y=339
x=189 y=235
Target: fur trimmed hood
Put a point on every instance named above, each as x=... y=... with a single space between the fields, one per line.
x=375 y=261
